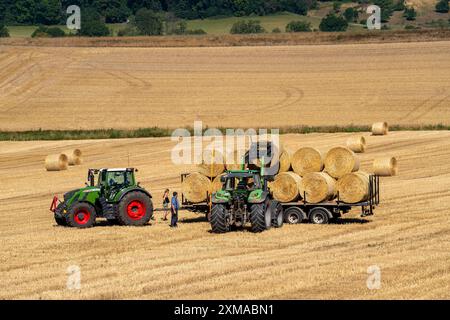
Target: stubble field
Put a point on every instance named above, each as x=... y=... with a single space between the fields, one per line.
x=126 y=88
x=408 y=238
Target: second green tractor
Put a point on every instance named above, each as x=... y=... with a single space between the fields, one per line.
x=245 y=198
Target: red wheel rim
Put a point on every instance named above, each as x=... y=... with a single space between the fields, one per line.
x=82 y=216
x=136 y=210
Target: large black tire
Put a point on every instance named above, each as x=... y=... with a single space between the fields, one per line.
x=218 y=219
x=294 y=215
x=261 y=217
x=319 y=215
x=277 y=214
x=135 y=209
x=81 y=215
x=60 y=220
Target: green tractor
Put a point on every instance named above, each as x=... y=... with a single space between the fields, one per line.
x=110 y=193
x=245 y=198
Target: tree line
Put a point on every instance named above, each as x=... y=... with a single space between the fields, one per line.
x=51 y=12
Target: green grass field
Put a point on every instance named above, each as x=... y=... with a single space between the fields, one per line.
x=211 y=26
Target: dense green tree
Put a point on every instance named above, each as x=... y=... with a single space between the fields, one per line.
x=4 y=33
x=351 y=14
x=298 y=26
x=333 y=23
x=92 y=24
x=250 y=26
x=149 y=22
x=442 y=6
x=48 y=12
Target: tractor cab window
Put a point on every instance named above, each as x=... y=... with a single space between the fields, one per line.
x=118 y=178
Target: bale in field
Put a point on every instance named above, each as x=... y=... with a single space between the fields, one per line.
x=357 y=144
x=195 y=187
x=286 y=186
x=73 y=156
x=353 y=187
x=380 y=128
x=385 y=166
x=306 y=160
x=56 y=162
x=318 y=187
x=340 y=161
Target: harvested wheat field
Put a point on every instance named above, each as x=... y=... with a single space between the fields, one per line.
x=278 y=86
x=408 y=237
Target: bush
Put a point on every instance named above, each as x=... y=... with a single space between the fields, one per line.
x=410 y=14
x=442 y=6
x=276 y=30
x=250 y=26
x=48 y=32
x=351 y=14
x=333 y=23
x=149 y=23
x=4 y=33
x=196 y=31
x=92 y=25
x=298 y=26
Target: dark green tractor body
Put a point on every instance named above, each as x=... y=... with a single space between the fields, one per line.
x=244 y=198
x=112 y=194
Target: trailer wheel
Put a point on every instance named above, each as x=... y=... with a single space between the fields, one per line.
x=218 y=219
x=319 y=215
x=277 y=214
x=294 y=215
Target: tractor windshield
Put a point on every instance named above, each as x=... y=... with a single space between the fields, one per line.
x=244 y=182
x=116 y=178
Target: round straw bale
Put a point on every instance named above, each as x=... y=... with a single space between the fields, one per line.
x=318 y=187
x=385 y=166
x=56 y=162
x=285 y=161
x=195 y=187
x=353 y=187
x=210 y=170
x=339 y=161
x=216 y=184
x=233 y=160
x=356 y=144
x=285 y=187
x=380 y=128
x=306 y=160
x=73 y=156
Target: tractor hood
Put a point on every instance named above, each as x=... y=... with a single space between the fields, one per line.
x=70 y=194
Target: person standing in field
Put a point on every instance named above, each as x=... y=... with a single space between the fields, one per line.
x=174 y=205
x=166 y=202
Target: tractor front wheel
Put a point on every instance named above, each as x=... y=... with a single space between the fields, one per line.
x=218 y=219
x=261 y=217
x=81 y=215
x=135 y=209
x=60 y=220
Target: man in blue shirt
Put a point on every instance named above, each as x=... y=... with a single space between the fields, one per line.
x=174 y=205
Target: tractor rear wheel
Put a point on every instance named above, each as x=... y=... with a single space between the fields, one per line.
x=277 y=214
x=218 y=219
x=135 y=209
x=261 y=217
x=81 y=215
